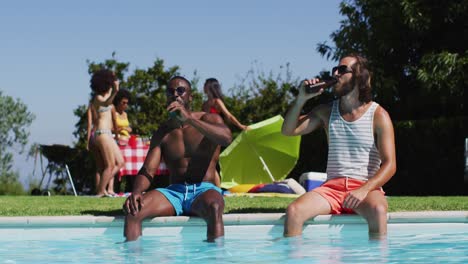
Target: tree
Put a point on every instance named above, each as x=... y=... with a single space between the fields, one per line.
x=14 y=121
x=260 y=96
x=417 y=51
x=418 y=56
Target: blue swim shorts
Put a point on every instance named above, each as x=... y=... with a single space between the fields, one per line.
x=182 y=196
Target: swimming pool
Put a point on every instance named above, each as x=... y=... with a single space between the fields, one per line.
x=341 y=241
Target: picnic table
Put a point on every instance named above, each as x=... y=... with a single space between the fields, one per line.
x=134 y=153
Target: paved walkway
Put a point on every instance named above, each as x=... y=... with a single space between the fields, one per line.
x=232 y=219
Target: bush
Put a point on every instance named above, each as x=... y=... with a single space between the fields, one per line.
x=10 y=185
x=430 y=157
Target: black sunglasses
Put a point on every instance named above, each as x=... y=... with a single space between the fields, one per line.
x=179 y=90
x=342 y=69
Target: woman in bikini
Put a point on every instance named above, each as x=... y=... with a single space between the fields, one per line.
x=91 y=145
x=215 y=105
x=105 y=86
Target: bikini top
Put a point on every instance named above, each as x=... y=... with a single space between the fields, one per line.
x=213 y=110
x=102 y=109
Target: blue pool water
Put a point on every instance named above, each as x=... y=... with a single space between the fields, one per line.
x=349 y=243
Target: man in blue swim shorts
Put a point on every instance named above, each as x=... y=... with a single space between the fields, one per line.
x=189 y=142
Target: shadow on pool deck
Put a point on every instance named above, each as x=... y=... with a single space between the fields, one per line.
x=102 y=213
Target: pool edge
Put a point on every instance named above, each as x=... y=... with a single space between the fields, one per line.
x=233 y=219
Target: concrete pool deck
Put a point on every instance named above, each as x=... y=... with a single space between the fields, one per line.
x=231 y=219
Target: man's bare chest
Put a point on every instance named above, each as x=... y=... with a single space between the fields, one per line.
x=181 y=143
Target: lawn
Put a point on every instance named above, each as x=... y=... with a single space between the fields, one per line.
x=70 y=205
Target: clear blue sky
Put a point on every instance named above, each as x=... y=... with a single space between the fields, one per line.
x=45 y=44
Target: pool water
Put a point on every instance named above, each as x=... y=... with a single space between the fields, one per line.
x=348 y=243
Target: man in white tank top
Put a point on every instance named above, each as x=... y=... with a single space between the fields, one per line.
x=361 y=156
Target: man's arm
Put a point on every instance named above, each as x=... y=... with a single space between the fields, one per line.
x=145 y=176
x=212 y=126
x=294 y=124
x=383 y=128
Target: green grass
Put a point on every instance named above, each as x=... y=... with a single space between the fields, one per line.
x=70 y=205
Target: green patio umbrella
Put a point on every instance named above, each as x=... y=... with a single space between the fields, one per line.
x=260 y=155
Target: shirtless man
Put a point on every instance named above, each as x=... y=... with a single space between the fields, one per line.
x=189 y=142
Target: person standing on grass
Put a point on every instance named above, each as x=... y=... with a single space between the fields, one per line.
x=91 y=145
x=189 y=142
x=105 y=86
x=361 y=157
x=122 y=127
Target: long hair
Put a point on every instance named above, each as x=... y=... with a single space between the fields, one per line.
x=214 y=87
x=362 y=78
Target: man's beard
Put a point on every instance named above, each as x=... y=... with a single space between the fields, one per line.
x=344 y=90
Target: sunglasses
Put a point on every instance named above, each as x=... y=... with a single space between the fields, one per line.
x=342 y=69
x=179 y=90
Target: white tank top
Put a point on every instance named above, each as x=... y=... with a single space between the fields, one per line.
x=352 y=152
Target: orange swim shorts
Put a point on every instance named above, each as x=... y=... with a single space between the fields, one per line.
x=336 y=190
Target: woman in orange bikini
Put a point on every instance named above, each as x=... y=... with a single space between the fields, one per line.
x=105 y=86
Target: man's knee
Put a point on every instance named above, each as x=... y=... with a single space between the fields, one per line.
x=216 y=208
x=133 y=219
x=380 y=210
x=377 y=211
x=293 y=210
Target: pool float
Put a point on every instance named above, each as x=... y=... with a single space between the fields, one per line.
x=241 y=188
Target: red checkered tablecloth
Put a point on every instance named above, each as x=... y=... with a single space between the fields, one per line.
x=134 y=157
